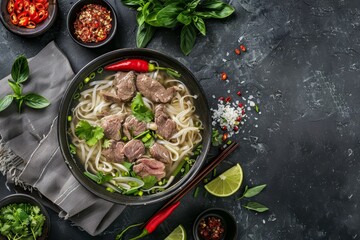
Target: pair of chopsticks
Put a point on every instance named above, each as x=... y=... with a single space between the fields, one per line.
x=200 y=176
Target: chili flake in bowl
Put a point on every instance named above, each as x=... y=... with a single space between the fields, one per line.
x=215 y=224
x=92 y=23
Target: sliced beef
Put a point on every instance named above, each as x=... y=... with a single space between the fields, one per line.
x=112 y=126
x=134 y=149
x=149 y=167
x=160 y=153
x=115 y=153
x=154 y=90
x=133 y=127
x=125 y=88
x=166 y=126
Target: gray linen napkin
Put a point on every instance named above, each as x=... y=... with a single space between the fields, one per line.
x=29 y=149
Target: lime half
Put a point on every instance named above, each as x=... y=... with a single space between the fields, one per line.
x=226 y=183
x=178 y=233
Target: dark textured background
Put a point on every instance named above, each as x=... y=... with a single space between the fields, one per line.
x=302 y=66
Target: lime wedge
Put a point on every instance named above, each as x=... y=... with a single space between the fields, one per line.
x=226 y=183
x=178 y=233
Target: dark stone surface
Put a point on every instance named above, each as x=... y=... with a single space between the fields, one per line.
x=302 y=66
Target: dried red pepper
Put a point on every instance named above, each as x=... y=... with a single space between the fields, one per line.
x=139 y=65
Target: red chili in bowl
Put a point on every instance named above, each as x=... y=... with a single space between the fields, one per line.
x=211 y=228
x=27 y=13
x=93 y=23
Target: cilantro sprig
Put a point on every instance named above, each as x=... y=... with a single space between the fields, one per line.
x=91 y=134
x=21 y=221
x=140 y=110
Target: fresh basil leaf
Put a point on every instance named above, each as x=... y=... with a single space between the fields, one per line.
x=5 y=102
x=200 y=24
x=20 y=69
x=166 y=17
x=187 y=38
x=184 y=17
x=140 y=19
x=254 y=206
x=15 y=87
x=192 y=5
x=251 y=192
x=144 y=34
x=36 y=101
x=215 y=9
x=132 y=3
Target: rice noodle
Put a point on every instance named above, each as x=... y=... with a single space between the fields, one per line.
x=92 y=107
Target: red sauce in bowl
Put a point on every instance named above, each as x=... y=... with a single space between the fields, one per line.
x=93 y=23
x=211 y=228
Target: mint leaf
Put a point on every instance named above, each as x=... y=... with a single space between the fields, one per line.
x=254 y=206
x=251 y=192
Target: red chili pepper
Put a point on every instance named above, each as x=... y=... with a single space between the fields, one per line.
x=240 y=105
x=19 y=5
x=156 y=220
x=39 y=6
x=223 y=76
x=42 y=16
x=238 y=119
x=138 y=65
x=10 y=6
x=243 y=48
x=221 y=98
x=23 y=21
x=31 y=25
x=228 y=99
x=224 y=128
x=13 y=18
x=237 y=51
x=236 y=128
x=238 y=93
x=225 y=136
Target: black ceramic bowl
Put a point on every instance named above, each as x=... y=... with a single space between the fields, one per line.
x=68 y=102
x=41 y=28
x=72 y=15
x=23 y=198
x=228 y=222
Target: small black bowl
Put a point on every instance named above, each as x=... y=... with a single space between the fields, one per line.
x=76 y=8
x=23 y=198
x=228 y=221
x=40 y=29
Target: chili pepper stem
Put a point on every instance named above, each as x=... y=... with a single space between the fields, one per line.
x=143 y=234
x=119 y=236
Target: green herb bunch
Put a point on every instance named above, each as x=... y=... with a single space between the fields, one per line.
x=21 y=221
x=191 y=14
x=20 y=73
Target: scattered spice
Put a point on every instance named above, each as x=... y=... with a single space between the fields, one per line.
x=237 y=51
x=238 y=93
x=243 y=48
x=93 y=23
x=211 y=228
x=224 y=76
